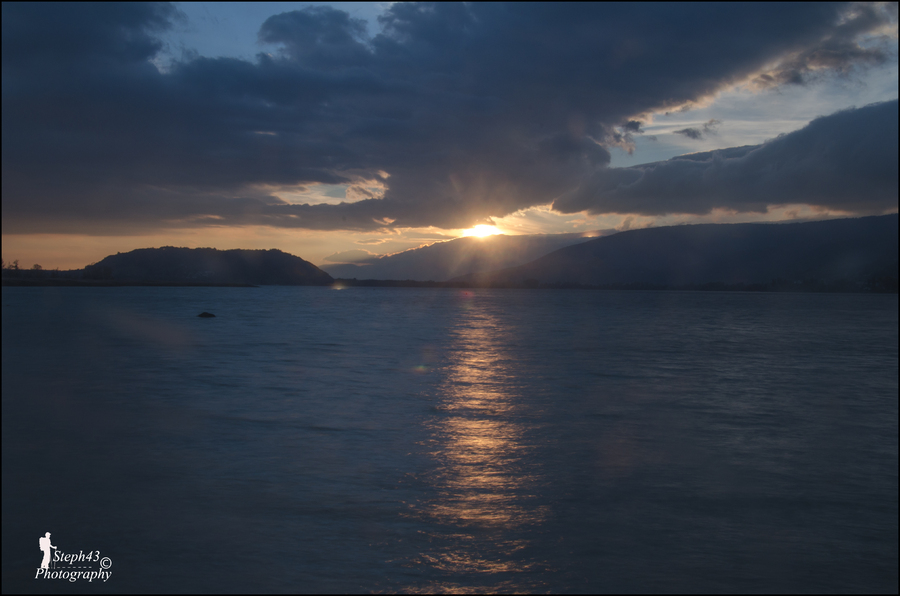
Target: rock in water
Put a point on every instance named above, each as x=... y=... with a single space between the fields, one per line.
x=206 y=315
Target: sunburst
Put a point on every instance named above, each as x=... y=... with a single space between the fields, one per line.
x=481 y=231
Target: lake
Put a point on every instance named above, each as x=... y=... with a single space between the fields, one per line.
x=308 y=439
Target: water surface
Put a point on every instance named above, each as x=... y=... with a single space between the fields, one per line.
x=419 y=440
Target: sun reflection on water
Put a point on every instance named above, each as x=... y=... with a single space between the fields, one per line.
x=482 y=477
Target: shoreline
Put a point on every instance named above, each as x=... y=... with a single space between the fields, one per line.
x=878 y=286
x=103 y=283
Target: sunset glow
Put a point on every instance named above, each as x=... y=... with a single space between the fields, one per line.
x=482 y=230
x=238 y=285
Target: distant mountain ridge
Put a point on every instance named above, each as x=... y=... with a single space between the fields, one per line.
x=208 y=266
x=446 y=260
x=833 y=250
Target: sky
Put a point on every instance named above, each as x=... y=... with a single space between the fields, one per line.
x=344 y=130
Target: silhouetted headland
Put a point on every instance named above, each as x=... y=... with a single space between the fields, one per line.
x=443 y=261
x=842 y=255
x=170 y=266
x=834 y=255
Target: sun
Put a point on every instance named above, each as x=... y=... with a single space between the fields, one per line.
x=481 y=231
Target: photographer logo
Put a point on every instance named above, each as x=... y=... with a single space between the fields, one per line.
x=85 y=566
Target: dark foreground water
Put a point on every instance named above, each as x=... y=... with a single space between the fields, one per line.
x=406 y=440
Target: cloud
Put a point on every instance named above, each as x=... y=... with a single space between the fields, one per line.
x=319 y=37
x=846 y=161
x=351 y=256
x=691 y=133
x=840 y=50
x=453 y=114
x=709 y=128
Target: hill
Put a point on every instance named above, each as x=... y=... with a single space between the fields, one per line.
x=207 y=266
x=445 y=260
x=848 y=250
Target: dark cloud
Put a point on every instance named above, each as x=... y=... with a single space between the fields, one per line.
x=709 y=128
x=64 y=35
x=691 y=133
x=839 y=51
x=460 y=111
x=846 y=161
x=319 y=37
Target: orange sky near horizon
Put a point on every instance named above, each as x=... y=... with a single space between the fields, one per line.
x=74 y=251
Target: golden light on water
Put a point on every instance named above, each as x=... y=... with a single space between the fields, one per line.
x=482 y=230
x=479 y=443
